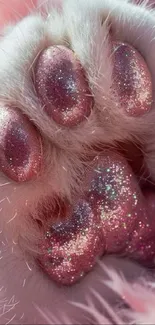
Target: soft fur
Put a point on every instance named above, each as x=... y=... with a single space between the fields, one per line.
x=116 y=291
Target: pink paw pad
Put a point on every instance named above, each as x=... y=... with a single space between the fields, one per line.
x=132 y=80
x=62 y=87
x=70 y=248
x=20 y=146
x=102 y=221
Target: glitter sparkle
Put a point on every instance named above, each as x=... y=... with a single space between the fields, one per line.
x=110 y=218
x=132 y=80
x=62 y=87
x=20 y=144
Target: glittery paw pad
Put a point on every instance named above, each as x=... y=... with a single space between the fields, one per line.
x=20 y=146
x=70 y=248
x=64 y=92
x=132 y=84
x=62 y=87
x=103 y=221
x=141 y=244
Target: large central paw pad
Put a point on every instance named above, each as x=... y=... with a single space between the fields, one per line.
x=102 y=221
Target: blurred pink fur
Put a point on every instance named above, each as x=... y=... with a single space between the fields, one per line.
x=123 y=301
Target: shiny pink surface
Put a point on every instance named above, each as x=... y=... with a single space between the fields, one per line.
x=62 y=87
x=20 y=146
x=132 y=80
x=103 y=221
